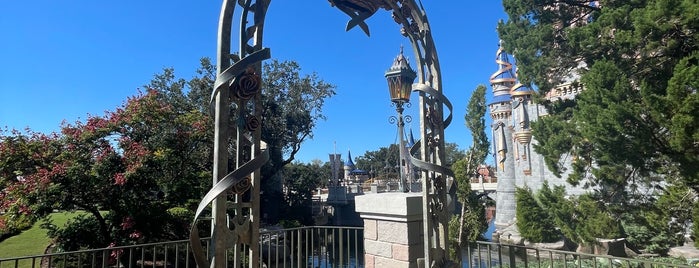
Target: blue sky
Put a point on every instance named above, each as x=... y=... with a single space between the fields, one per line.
x=63 y=60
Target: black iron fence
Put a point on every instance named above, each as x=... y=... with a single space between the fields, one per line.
x=325 y=247
x=488 y=254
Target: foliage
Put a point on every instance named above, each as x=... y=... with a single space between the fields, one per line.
x=581 y=219
x=292 y=105
x=300 y=180
x=132 y=163
x=79 y=233
x=643 y=66
x=470 y=222
x=663 y=221
x=533 y=222
x=597 y=222
x=634 y=126
x=560 y=209
x=382 y=161
x=136 y=169
x=25 y=171
x=475 y=122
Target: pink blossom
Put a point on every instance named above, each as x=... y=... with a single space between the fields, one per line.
x=127 y=223
x=119 y=179
x=135 y=235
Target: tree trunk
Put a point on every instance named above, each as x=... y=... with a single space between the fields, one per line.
x=464 y=200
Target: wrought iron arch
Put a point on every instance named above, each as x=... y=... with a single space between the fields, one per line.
x=238 y=81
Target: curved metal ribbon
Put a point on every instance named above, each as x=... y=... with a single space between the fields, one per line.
x=237 y=176
x=217 y=190
x=238 y=68
x=446 y=172
x=433 y=92
x=416 y=147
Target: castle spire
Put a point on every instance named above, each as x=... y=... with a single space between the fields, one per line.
x=349 y=162
x=504 y=78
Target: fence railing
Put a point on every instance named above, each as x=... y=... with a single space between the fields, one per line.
x=323 y=246
x=488 y=254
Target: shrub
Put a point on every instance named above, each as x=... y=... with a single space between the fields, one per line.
x=534 y=223
x=81 y=232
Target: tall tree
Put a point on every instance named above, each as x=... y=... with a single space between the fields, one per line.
x=300 y=181
x=471 y=220
x=382 y=161
x=635 y=124
x=26 y=163
x=638 y=62
x=292 y=104
x=126 y=170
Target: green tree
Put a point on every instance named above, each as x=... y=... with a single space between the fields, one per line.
x=470 y=223
x=695 y=218
x=382 y=161
x=663 y=221
x=385 y=159
x=642 y=61
x=292 y=106
x=300 y=180
x=635 y=124
x=533 y=222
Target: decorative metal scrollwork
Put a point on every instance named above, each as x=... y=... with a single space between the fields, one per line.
x=238 y=88
x=241 y=82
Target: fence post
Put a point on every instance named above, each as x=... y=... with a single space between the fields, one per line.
x=393 y=233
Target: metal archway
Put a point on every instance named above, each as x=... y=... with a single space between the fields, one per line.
x=239 y=83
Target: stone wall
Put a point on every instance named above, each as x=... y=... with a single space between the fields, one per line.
x=393 y=230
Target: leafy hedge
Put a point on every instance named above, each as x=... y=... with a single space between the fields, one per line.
x=534 y=223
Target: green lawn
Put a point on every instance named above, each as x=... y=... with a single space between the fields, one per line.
x=32 y=241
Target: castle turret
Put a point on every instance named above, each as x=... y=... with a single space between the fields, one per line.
x=500 y=106
x=349 y=165
x=522 y=136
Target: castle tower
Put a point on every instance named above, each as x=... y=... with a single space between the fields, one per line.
x=349 y=166
x=523 y=112
x=500 y=106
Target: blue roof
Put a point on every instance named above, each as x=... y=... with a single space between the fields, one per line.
x=359 y=172
x=349 y=162
x=500 y=98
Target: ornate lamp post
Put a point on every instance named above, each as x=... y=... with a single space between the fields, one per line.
x=400 y=80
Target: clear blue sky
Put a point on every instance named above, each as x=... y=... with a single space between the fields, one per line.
x=63 y=60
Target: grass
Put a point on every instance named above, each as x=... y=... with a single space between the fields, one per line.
x=32 y=241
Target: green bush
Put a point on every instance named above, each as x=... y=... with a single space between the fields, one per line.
x=79 y=233
x=180 y=220
x=534 y=223
x=595 y=221
x=14 y=224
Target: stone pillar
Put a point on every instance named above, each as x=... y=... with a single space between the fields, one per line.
x=393 y=235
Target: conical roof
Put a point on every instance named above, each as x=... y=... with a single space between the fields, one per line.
x=400 y=64
x=349 y=162
x=411 y=139
x=504 y=78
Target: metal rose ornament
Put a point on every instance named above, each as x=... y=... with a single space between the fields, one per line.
x=247 y=84
x=252 y=123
